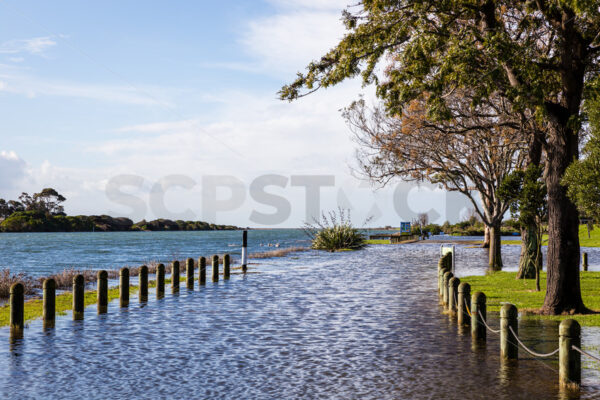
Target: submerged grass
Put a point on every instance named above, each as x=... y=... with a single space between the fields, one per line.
x=277 y=253
x=502 y=287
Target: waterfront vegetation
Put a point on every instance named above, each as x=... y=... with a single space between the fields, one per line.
x=334 y=232
x=502 y=287
x=43 y=212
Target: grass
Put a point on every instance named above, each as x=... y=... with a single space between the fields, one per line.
x=501 y=287
x=277 y=253
x=378 y=241
x=584 y=241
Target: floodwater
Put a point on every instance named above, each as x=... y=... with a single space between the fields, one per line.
x=315 y=325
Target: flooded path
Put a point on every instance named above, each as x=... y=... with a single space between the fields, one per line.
x=355 y=325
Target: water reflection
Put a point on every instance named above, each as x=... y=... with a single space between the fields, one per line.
x=350 y=325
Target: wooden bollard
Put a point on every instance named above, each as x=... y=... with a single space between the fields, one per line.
x=102 y=287
x=478 y=306
x=78 y=297
x=226 y=262
x=143 y=277
x=453 y=295
x=160 y=281
x=447 y=276
x=441 y=266
x=175 y=276
x=124 y=287
x=49 y=303
x=189 y=273
x=584 y=262
x=202 y=271
x=17 y=309
x=509 y=349
x=569 y=360
x=215 y=268
x=464 y=295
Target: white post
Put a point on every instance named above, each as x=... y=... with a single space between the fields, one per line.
x=244 y=251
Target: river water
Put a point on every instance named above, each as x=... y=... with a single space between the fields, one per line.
x=350 y=325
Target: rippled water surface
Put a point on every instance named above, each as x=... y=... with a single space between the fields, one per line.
x=353 y=325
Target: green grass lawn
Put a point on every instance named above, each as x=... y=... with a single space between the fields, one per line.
x=584 y=241
x=377 y=241
x=501 y=287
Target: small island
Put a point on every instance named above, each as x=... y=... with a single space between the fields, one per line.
x=44 y=212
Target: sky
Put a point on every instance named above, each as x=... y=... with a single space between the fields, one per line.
x=169 y=109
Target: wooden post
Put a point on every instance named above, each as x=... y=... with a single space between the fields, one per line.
x=584 y=262
x=441 y=266
x=78 y=297
x=447 y=276
x=464 y=295
x=175 y=276
x=441 y=282
x=189 y=273
x=226 y=262
x=160 y=281
x=569 y=360
x=102 y=287
x=17 y=310
x=478 y=306
x=202 y=271
x=509 y=349
x=244 y=251
x=49 y=303
x=124 y=287
x=453 y=295
x=143 y=277
x=215 y=268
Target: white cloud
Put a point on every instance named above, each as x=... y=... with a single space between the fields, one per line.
x=36 y=45
x=32 y=86
x=287 y=42
x=12 y=169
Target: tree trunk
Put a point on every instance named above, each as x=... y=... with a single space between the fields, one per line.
x=486 y=238
x=530 y=259
x=495 y=255
x=563 y=293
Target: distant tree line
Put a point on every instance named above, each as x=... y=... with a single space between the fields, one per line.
x=44 y=212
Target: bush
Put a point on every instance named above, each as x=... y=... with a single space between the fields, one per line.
x=335 y=233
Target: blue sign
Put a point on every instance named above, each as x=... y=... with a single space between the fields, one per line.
x=404 y=227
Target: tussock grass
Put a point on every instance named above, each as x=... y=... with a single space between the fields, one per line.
x=277 y=253
x=500 y=287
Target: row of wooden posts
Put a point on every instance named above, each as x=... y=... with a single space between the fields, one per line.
x=455 y=297
x=17 y=297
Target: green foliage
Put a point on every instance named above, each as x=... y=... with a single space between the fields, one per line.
x=38 y=221
x=526 y=191
x=334 y=233
x=582 y=178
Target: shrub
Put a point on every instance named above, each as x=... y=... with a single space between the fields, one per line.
x=334 y=233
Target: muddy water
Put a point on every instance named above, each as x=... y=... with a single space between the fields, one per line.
x=356 y=325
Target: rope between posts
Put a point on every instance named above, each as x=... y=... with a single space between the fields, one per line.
x=585 y=353
x=486 y=325
x=533 y=353
x=467 y=308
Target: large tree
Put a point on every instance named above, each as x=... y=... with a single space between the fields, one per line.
x=539 y=54
x=472 y=152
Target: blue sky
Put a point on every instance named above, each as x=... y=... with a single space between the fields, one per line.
x=90 y=91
